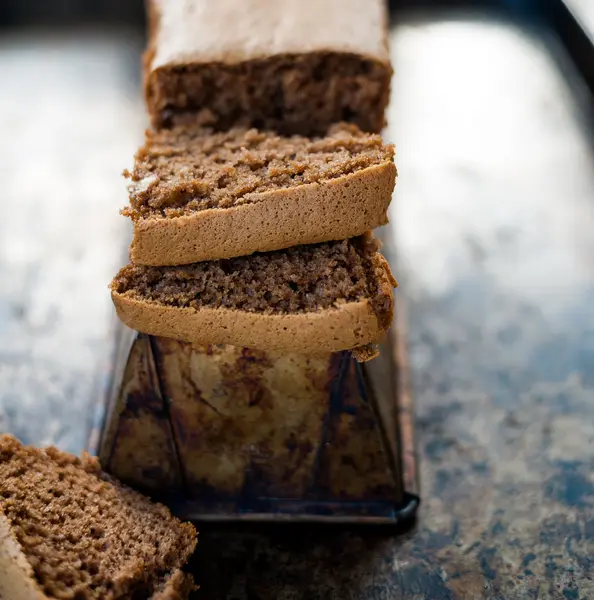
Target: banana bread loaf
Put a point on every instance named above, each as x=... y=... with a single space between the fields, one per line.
x=296 y=66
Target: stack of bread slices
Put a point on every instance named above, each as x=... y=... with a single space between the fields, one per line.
x=255 y=192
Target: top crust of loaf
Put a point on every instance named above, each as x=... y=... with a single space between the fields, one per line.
x=201 y=31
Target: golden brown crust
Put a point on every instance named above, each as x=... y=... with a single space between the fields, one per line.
x=348 y=326
x=384 y=295
x=17 y=580
x=185 y=32
x=332 y=210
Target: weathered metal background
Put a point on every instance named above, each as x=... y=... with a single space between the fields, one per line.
x=493 y=219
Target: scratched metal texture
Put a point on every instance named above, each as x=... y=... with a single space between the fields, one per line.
x=493 y=215
x=70 y=120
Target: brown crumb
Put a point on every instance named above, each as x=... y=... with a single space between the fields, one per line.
x=295 y=93
x=185 y=170
x=299 y=279
x=86 y=536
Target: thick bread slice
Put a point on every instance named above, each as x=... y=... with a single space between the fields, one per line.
x=70 y=531
x=270 y=301
x=200 y=195
x=17 y=579
x=318 y=212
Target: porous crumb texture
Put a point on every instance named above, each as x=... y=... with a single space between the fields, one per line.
x=296 y=280
x=185 y=170
x=291 y=93
x=86 y=536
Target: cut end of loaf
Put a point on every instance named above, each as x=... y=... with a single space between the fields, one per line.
x=84 y=535
x=186 y=170
x=296 y=93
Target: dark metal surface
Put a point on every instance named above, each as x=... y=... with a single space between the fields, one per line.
x=574 y=22
x=493 y=216
x=68 y=12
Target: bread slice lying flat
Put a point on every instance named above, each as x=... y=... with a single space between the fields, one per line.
x=198 y=195
x=310 y=299
x=69 y=531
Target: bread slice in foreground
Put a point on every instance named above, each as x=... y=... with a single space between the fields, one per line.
x=296 y=65
x=310 y=299
x=69 y=531
x=200 y=195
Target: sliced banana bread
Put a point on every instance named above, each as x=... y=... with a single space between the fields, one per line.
x=68 y=531
x=323 y=297
x=201 y=195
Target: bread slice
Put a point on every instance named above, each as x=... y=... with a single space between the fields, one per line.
x=199 y=195
x=70 y=531
x=297 y=65
x=310 y=299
